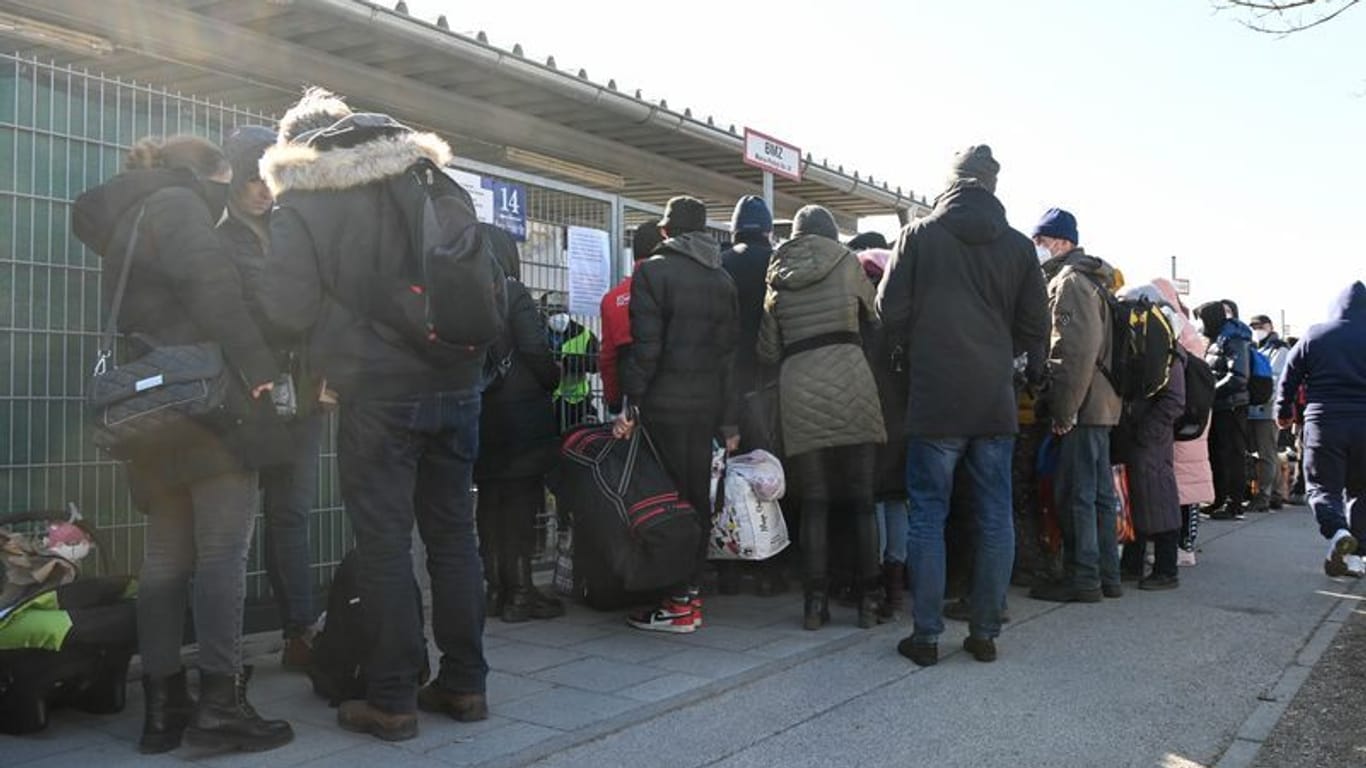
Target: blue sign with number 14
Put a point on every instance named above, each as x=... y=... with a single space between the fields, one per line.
x=509 y=207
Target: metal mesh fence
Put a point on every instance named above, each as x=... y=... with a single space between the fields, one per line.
x=62 y=131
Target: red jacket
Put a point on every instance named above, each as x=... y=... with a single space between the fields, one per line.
x=616 y=333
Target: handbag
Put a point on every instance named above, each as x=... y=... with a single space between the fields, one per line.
x=158 y=396
x=1124 y=517
x=747 y=523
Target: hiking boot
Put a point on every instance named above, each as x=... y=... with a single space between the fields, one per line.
x=894 y=582
x=225 y=720
x=982 y=648
x=1159 y=583
x=1061 y=592
x=869 y=606
x=675 y=615
x=817 y=609
x=958 y=610
x=522 y=601
x=297 y=654
x=167 y=707
x=461 y=707
x=1112 y=591
x=923 y=654
x=360 y=717
x=1342 y=545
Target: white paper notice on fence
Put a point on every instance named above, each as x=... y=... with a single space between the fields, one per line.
x=590 y=267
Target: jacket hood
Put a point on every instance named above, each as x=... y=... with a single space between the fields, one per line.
x=1170 y=295
x=698 y=246
x=505 y=249
x=804 y=261
x=1078 y=260
x=290 y=167
x=971 y=213
x=1351 y=303
x=97 y=211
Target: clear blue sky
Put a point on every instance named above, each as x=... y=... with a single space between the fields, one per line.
x=1166 y=128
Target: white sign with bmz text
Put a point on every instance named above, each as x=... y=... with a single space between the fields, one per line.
x=769 y=154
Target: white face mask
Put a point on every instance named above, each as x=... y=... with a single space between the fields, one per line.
x=1261 y=335
x=559 y=322
x=1043 y=253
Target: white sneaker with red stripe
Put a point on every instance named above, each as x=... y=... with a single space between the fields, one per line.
x=672 y=615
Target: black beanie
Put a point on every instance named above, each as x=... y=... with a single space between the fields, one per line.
x=865 y=240
x=646 y=239
x=243 y=148
x=684 y=214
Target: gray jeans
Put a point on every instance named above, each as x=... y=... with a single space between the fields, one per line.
x=203 y=531
x=1270 y=479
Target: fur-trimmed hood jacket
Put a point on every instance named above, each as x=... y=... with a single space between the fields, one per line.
x=338 y=223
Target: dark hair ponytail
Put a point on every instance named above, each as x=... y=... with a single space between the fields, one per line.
x=193 y=153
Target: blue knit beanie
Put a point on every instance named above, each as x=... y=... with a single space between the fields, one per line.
x=751 y=215
x=1058 y=223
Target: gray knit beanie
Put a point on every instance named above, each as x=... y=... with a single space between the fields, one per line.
x=815 y=220
x=976 y=162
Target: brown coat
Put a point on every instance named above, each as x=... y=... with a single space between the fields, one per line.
x=1078 y=393
x=828 y=396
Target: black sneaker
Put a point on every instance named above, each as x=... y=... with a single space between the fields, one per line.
x=923 y=654
x=1156 y=583
x=982 y=648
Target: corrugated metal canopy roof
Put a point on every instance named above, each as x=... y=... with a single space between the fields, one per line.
x=257 y=53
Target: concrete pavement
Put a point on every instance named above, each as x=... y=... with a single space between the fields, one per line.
x=1172 y=679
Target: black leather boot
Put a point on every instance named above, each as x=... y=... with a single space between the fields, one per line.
x=167 y=709
x=817 y=612
x=523 y=601
x=224 y=720
x=894 y=582
x=869 y=604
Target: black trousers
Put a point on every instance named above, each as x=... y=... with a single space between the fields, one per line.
x=1165 y=545
x=1228 y=456
x=507 y=511
x=685 y=450
x=840 y=476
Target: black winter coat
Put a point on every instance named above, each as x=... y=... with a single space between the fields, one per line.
x=1152 y=476
x=965 y=293
x=747 y=264
x=889 y=479
x=518 y=435
x=336 y=225
x=182 y=289
x=684 y=328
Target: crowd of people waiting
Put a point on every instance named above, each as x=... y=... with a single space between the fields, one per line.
x=904 y=374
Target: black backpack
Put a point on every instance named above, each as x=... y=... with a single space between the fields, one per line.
x=448 y=300
x=338 y=665
x=1190 y=425
x=1141 y=350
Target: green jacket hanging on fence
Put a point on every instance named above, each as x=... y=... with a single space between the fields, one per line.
x=576 y=349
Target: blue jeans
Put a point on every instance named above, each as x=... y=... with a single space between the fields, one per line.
x=930 y=466
x=1335 y=463
x=290 y=491
x=402 y=460
x=1087 y=508
x=891 y=530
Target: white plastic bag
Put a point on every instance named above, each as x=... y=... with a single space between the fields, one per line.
x=763 y=471
x=747 y=527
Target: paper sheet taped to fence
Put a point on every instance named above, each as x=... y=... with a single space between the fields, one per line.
x=590 y=269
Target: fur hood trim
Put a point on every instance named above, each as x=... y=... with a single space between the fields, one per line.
x=290 y=167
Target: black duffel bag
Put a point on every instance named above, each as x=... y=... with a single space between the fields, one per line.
x=160 y=395
x=626 y=508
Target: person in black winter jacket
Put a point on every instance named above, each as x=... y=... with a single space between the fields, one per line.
x=346 y=187
x=290 y=488
x=746 y=261
x=199 y=491
x=965 y=295
x=1229 y=359
x=678 y=380
x=517 y=446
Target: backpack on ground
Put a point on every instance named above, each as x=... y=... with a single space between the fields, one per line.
x=339 y=652
x=1261 y=381
x=1142 y=348
x=1191 y=424
x=65 y=639
x=449 y=298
